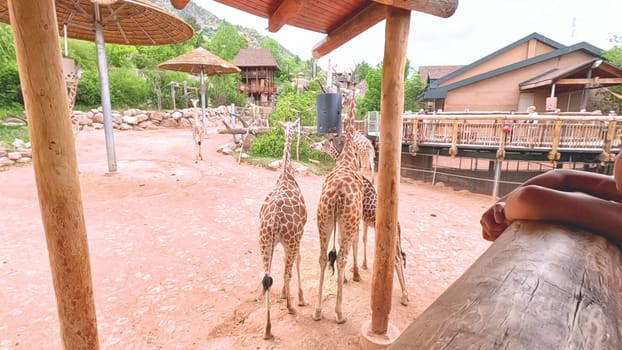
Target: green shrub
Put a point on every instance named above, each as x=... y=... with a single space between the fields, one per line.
x=88 y=93
x=8 y=134
x=9 y=80
x=268 y=145
x=128 y=88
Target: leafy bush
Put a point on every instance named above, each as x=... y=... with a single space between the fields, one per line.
x=128 y=88
x=8 y=134
x=88 y=93
x=269 y=145
x=9 y=80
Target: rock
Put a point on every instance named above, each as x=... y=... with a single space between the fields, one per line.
x=302 y=170
x=176 y=115
x=145 y=124
x=25 y=152
x=14 y=155
x=159 y=116
x=169 y=123
x=124 y=126
x=185 y=123
x=116 y=118
x=28 y=144
x=5 y=161
x=24 y=160
x=3 y=153
x=98 y=126
x=142 y=117
x=19 y=143
x=84 y=120
x=275 y=165
x=97 y=117
x=244 y=155
x=130 y=120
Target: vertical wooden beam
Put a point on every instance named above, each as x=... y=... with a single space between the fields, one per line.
x=392 y=109
x=38 y=54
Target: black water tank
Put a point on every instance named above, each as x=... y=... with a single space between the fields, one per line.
x=328 y=113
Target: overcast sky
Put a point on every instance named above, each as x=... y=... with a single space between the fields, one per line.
x=478 y=28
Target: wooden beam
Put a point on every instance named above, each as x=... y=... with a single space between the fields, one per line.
x=366 y=18
x=440 y=8
x=538 y=286
x=538 y=84
x=35 y=33
x=287 y=10
x=392 y=109
x=591 y=81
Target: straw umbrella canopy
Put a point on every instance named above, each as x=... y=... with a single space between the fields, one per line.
x=202 y=62
x=128 y=22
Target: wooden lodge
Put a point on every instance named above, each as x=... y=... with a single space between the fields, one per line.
x=259 y=70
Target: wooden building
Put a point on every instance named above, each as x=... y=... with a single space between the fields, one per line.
x=259 y=70
x=529 y=72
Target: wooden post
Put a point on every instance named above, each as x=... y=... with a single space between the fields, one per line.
x=392 y=109
x=38 y=55
x=538 y=286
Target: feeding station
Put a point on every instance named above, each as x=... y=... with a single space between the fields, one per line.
x=36 y=25
x=328 y=113
x=202 y=62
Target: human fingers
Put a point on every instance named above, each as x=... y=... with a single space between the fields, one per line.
x=498 y=211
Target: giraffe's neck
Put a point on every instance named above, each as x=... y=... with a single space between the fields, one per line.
x=288 y=171
x=348 y=154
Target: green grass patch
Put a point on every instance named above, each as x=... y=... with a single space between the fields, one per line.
x=321 y=168
x=8 y=134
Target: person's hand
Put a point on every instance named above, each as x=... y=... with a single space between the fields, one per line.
x=494 y=222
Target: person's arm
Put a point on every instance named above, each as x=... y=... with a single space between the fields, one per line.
x=494 y=220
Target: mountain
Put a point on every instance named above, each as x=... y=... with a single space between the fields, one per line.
x=208 y=22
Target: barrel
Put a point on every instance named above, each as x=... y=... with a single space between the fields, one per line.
x=328 y=113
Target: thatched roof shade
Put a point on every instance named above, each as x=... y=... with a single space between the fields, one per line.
x=250 y=58
x=127 y=22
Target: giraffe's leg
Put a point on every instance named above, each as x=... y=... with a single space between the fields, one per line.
x=266 y=247
x=356 y=277
x=399 y=269
x=364 y=266
x=325 y=230
x=341 y=264
x=290 y=257
x=301 y=298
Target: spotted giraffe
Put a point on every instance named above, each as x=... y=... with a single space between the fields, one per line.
x=370 y=200
x=197 y=131
x=340 y=205
x=282 y=218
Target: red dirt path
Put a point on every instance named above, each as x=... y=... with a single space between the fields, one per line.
x=174 y=252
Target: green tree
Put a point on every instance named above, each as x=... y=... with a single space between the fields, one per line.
x=226 y=43
x=608 y=101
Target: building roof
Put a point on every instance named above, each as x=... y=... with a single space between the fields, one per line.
x=434 y=91
x=248 y=58
x=566 y=77
x=431 y=73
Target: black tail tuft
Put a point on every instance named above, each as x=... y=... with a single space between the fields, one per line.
x=332 y=257
x=266 y=283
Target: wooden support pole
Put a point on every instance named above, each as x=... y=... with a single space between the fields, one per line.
x=538 y=286
x=38 y=55
x=392 y=109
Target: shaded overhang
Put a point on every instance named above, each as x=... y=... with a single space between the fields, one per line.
x=341 y=21
x=590 y=74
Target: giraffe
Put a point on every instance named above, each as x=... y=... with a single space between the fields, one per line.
x=71 y=83
x=370 y=200
x=197 y=130
x=340 y=205
x=366 y=153
x=282 y=218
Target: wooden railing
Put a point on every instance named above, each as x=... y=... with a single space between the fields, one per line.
x=550 y=132
x=257 y=88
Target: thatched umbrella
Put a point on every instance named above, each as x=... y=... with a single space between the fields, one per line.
x=202 y=62
x=129 y=22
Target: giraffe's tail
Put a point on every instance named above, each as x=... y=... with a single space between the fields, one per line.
x=332 y=257
x=266 y=283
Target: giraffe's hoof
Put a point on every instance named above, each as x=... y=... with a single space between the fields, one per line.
x=404 y=300
x=303 y=303
x=356 y=277
x=364 y=266
x=291 y=311
x=268 y=336
x=341 y=320
x=317 y=315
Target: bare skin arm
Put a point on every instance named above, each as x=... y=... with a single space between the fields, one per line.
x=582 y=199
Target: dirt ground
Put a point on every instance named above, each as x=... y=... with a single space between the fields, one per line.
x=175 y=258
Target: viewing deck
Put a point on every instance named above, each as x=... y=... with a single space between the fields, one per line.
x=582 y=137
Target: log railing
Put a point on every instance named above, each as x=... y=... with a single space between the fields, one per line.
x=539 y=286
x=551 y=132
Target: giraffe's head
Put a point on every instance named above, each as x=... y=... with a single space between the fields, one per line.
x=194 y=102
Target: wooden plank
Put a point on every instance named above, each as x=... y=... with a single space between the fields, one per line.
x=440 y=8
x=592 y=81
x=539 y=286
x=392 y=109
x=368 y=17
x=287 y=10
x=38 y=55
